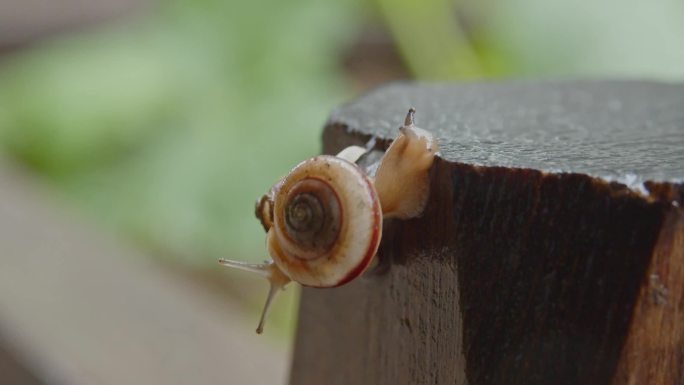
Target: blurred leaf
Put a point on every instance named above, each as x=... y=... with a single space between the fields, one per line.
x=608 y=38
x=77 y=103
x=432 y=42
x=168 y=128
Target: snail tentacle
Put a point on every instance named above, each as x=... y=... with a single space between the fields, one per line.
x=409 y=120
x=269 y=270
x=257 y=268
x=272 y=291
x=370 y=145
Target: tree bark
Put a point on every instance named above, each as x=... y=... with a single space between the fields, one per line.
x=551 y=250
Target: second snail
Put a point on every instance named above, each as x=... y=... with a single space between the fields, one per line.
x=323 y=220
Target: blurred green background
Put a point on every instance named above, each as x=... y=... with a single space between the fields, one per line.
x=165 y=122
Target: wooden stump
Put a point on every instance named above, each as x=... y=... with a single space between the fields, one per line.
x=551 y=252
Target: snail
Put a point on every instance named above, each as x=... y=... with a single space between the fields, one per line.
x=323 y=220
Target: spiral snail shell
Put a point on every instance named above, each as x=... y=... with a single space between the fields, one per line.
x=324 y=218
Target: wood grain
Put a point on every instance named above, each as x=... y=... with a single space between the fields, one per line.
x=654 y=353
x=538 y=261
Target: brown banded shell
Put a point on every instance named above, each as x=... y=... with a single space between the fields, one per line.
x=327 y=222
x=324 y=219
x=313 y=217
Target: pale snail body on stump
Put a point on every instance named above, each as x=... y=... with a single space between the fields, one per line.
x=324 y=218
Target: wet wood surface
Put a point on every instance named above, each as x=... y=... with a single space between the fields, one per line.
x=551 y=251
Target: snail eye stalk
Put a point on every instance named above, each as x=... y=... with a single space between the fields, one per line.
x=276 y=278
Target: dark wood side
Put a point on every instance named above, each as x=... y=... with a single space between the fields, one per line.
x=514 y=274
x=654 y=351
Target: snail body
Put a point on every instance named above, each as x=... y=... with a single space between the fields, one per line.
x=324 y=218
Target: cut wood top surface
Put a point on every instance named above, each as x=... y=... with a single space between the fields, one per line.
x=531 y=270
x=625 y=131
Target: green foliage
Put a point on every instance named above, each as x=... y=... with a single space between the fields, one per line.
x=167 y=128
x=443 y=39
x=432 y=41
